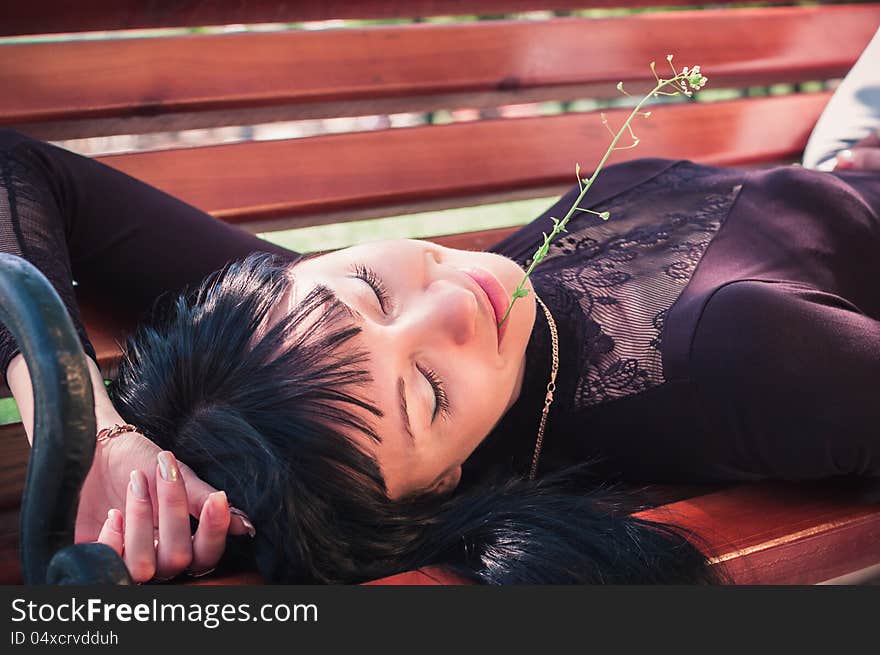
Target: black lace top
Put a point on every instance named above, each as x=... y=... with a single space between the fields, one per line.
x=657 y=383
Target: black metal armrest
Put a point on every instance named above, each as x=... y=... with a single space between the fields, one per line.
x=64 y=433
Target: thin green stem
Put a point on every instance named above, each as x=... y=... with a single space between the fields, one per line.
x=559 y=226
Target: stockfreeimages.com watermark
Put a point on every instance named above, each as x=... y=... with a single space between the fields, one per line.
x=208 y=615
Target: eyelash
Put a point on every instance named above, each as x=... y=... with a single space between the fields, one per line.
x=442 y=399
x=369 y=276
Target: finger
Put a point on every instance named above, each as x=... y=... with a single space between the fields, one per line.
x=197 y=493
x=174 y=553
x=139 y=553
x=865 y=159
x=873 y=139
x=210 y=538
x=111 y=531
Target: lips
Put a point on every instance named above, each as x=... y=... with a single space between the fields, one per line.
x=495 y=295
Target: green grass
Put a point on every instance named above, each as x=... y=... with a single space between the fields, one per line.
x=8 y=411
x=412 y=226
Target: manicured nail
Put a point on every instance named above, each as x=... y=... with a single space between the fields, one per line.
x=844 y=159
x=168 y=467
x=139 y=485
x=217 y=502
x=115 y=517
x=245 y=521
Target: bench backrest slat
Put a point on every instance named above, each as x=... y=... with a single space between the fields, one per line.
x=169 y=83
x=49 y=16
x=298 y=180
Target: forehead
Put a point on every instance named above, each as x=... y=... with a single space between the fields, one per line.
x=379 y=248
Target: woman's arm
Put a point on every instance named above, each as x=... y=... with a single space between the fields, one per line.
x=787 y=376
x=172 y=496
x=19 y=380
x=75 y=218
x=850 y=115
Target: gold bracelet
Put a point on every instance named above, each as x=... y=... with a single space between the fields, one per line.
x=115 y=431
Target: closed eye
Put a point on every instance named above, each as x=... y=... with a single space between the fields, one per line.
x=369 y=276
x=441 y=401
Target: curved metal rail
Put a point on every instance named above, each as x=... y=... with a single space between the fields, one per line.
x=64 y=433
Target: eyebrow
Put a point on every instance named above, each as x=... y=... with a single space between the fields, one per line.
x=354 y=313
x=401 y=388
x=402 y=391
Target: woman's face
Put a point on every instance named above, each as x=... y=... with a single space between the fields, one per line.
x=430 y=331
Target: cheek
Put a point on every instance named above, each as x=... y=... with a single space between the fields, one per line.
x=485 y=392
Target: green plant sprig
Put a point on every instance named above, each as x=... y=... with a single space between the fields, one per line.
x=682 y=80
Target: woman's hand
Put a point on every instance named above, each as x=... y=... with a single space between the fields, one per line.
x=159 y=554
x=864 y=155
x=108 y=487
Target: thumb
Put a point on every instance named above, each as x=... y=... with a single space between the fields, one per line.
x=859 y=159
x=197 y=492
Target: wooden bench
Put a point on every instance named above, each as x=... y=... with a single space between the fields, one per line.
x=762 y=533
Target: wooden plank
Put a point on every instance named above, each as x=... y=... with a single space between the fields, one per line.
x=304 y=178
x=10 y=566
x=48 y=16
x=782 y=533
x=87 y=88
x=14 y=453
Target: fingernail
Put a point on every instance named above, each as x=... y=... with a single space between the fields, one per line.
x=844 y=158
x=115 y=517
x=217 y=502
x=245 y=521
x=139 y=485
x=168 y=467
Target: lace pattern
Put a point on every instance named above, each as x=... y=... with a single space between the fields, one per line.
x=626 y=273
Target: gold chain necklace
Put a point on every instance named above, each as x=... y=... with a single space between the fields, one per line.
x=551 y=387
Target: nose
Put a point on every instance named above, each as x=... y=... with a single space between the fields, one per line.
x=448 y=312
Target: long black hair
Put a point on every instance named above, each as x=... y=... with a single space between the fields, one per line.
x=262 y=411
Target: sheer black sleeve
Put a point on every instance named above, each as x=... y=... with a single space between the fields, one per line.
x=75 y=218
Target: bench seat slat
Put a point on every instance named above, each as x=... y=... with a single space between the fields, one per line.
x=782 y=533
x=89 y=88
